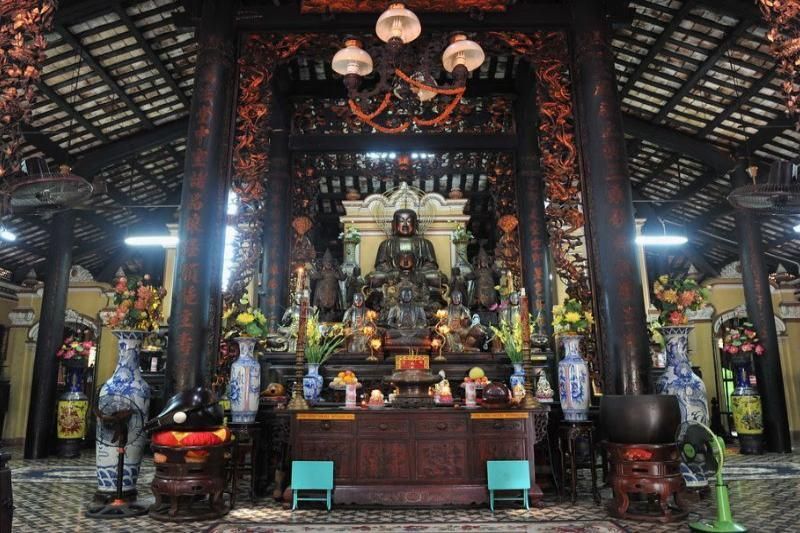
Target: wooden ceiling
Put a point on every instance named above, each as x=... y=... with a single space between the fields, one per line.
x=697 y=81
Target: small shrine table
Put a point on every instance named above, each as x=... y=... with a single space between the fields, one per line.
x=416 y=457
x=569 y=432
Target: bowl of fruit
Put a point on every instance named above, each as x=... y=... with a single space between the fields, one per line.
x=343 y=379
x=476 y=376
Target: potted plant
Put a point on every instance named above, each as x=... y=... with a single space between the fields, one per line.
x=740 y=344
x=570 y=323
x=245 y=326
x=136 y=313
x=321 y=343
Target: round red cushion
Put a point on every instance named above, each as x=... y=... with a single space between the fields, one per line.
x=191 y=438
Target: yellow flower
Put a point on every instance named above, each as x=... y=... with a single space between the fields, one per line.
x=245 y=318
x=670 y=296
x=557 y=309
x=227 y=314
x=589 y=318
x=664 y=278
x=572 y=317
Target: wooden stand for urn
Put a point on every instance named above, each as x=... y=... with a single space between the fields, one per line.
x=413 y=378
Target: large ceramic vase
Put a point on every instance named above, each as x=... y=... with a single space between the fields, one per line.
x=573 y=380
x=245 y=383
x=125 y=389
x=312 y=384
x=746 y=406
x=73 y=405
x=518 y=377
x=679 y=380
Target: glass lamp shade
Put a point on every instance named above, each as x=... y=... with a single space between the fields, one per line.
x=462 y=51
x=352 y=59
x=397 y=22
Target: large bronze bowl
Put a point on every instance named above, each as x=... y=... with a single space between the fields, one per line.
x=639 y=419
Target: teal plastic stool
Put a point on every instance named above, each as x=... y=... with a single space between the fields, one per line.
x=312 y=475
x=508 y=475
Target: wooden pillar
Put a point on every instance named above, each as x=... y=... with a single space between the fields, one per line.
x=530 y=196
x=275 y=249
x=193 y=329
x=41 y=418
x=755 y=278
x=616 y=283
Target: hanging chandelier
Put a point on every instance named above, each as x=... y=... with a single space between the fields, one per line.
x=395 y=88
x=783 y=18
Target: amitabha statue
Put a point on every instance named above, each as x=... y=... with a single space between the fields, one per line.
x=326 y=291
x=404 y=239
x=408 y=325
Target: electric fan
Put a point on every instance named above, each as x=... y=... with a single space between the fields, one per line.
x=116 y=413
x=699 y=445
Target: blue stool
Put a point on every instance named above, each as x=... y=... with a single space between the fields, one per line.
x=508 y=475
x=312 y=475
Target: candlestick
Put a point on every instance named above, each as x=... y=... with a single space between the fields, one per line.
x=530 y=401
x=298 y=401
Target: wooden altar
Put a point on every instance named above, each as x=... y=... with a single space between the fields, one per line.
x=416 y=457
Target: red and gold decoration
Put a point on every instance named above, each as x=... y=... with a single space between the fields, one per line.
x=23 y=24
x=397 y=27
x=73 y=404
x=783 y=18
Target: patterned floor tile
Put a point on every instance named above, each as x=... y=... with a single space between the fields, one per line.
x=52 y=494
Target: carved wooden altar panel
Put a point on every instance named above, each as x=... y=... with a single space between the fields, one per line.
x=383 y=460
x=441 y=461
x=337 y=450
x=497 y=448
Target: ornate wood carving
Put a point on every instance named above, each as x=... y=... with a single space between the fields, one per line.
x=337 y=451
x=377 y=6
x=441 y=461
x=23 y=24
x=259 y=57
x=380 y=459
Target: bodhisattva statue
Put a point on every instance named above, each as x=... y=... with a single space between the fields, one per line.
x=290 y=321
x=462 y=334
x=353 y=284
x=355 y=320
x=485 y=295
x=327 y=297
x=511 y=312
x=404 y=239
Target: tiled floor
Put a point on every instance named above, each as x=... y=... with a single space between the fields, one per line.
x=58 y=505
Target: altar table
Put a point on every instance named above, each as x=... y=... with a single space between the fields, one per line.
x=416 y=457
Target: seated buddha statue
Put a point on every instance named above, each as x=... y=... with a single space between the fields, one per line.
x=355 y=321
x=462 y=334
x=404 y=240
x=407 y=324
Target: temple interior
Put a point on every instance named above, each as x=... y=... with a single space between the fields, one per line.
x=357 y=265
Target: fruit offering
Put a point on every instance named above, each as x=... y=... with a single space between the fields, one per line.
x=477 y=377
x=342 y=379
x=476 y=372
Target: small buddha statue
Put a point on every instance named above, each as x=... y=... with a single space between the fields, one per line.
x=408 y=325
x=355 y=321
x=485 y=295
x=463 y=334
x=543 y=389
x=289 y=322
x=511 y=312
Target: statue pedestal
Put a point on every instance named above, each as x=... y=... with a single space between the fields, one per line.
x=404 y=342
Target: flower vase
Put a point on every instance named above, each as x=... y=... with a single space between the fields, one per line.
x=746 y=407
x=245 y=383
x=312 y=384
x=679 y=380
x=518 y=377
x=73 y=405
x=125 y=389
x=573 y=380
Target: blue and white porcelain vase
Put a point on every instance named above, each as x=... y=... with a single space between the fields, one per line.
x=679 y=380
x=123 y=390
x=312 y=384
x=245 y=383
x=518 y=376
x=573 y=380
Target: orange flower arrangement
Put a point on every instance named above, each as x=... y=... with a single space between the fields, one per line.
x=674 y=296
x=138 y=304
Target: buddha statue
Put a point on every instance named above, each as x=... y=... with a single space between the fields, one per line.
x=355 y=320
x=404 y=240
x=462 y=335
x=408 y=325
x=327 y=296
x=511 y=312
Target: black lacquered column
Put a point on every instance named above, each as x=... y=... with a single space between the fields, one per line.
x=275 y=249
x=530 y=196
x=41 y=418
x=616 y=282
x=755 y=278
x=193 y=334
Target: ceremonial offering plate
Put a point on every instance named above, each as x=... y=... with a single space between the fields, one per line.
x=342 y=387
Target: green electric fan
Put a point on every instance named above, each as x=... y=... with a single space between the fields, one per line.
x=700 y=446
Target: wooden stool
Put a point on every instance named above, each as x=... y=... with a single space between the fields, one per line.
x=508 y=475
x=568 y=434
x=312 y=475
x=246 y=438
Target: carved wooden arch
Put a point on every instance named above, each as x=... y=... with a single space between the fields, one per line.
x=70 y=317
